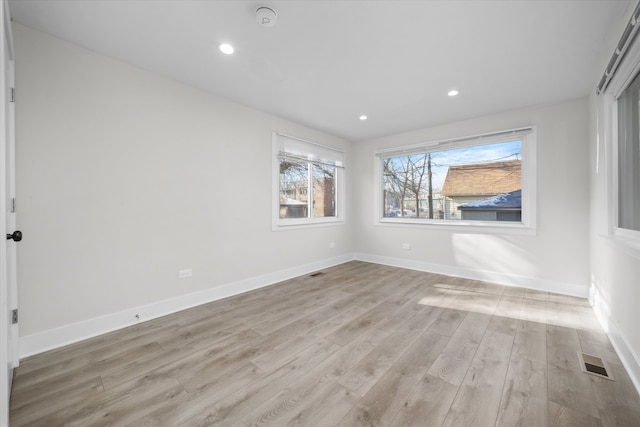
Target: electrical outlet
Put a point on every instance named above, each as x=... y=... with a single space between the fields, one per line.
x=332 y=245
x=183 y=274
x=406 y=246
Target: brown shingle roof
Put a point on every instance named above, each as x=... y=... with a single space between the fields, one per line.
x=483 y=179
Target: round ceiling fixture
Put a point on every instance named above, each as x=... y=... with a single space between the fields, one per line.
x=226 y=48
x=266 y=16
x=453 y=92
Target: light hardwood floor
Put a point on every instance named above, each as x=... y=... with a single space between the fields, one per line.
x=359 y=345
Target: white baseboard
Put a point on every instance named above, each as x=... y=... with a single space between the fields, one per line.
x=488 y=276
x=629 y=358
x=68 y=334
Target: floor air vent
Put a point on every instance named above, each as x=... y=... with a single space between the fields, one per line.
x=594 y=365
x=319 y=273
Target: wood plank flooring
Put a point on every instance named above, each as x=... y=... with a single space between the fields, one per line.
x=359 y=345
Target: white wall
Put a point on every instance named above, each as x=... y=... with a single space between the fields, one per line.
x=555 y=259
x=615 y=271
x=124 y=178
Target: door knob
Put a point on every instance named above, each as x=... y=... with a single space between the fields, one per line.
x=16 y=236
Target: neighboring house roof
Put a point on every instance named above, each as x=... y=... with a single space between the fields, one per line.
x=507 y=201
x=483 y=179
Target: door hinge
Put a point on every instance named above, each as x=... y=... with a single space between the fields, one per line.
x=12 y=95
x=13 y=205
x=14 y=316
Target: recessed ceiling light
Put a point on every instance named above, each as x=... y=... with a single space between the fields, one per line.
x=363 y=117
x=226 y=48
x=453 y=92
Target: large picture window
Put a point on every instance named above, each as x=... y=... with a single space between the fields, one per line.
x=476 y=181
x=309 y=182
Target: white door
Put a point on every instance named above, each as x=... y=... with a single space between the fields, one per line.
x=8 y=278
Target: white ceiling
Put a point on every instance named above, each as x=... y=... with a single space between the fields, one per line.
x=327 y=62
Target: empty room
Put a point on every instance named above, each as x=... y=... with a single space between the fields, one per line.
x=320 y=213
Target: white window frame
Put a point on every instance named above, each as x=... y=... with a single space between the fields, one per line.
x=311 y=151
x=527 y=225
x=630 y=67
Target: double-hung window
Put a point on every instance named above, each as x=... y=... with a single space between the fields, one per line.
x=477 y=181
x=309 y=179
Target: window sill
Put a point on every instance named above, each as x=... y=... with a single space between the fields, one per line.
x=627 y=241
x=296 y=225
x=477 y=227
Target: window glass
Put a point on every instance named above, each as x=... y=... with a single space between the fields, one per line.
x=629 y=157
x=324 y=195
x=474 y=183
x=294 y=189
x=310 y=183
x=486 y=180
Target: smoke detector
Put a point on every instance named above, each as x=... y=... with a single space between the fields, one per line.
x=266 y=16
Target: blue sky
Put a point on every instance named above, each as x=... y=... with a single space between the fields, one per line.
x=441 y=160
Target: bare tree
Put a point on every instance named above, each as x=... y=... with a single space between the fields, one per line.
x=391 y=182
x=418 y=166
x=410 y=176
x=430 y=189
x=397 y=171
